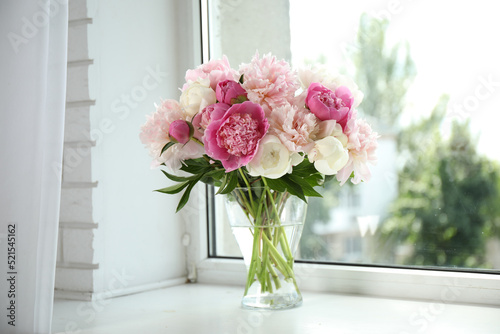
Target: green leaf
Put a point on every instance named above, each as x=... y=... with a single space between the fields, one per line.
x=241 y=79
x=305 y=169
x=305 y=186
x=285 y=183
x=314 y=180
x=198 y=166
x=174 y=189
x=223 y=184
x=293 y=187
x=305 y=164
x=310 y=192
x=276 y=184
x=167 y=146
x=216 y=173
x=185 y=197
x=214 y=177
x=175 y=177
x=194 y=169
x=197 y=162
x=328 y=178
x=231 y=184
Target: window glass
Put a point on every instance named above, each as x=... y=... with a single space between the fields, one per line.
x=431 y=78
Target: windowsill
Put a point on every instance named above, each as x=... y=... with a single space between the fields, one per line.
x=428 y=285
x=204 y=308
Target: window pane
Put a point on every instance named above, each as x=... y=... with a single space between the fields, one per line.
x=431 y=79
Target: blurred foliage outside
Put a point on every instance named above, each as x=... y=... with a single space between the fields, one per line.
x=447 y=206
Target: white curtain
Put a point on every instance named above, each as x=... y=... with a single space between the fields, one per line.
x=33 y=56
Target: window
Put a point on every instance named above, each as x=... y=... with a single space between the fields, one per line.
x=431 y=91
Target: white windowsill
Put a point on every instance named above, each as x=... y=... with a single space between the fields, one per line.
x=435 y=286
x=204 y=308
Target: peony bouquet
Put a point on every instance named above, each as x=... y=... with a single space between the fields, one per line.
x=265 y=122
x=269 y=129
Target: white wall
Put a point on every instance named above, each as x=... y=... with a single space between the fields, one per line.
x=136 y=52
x=137 y=59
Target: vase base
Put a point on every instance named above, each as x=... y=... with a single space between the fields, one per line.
x=271 y=301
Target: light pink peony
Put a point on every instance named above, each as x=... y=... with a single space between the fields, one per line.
x=214 y=70
x=327 y=105
x=175 y=155
x=154 y=133
x=230 y=92
x=295 y=127
x=234 y=138
x=269 y=82
x=362 y=143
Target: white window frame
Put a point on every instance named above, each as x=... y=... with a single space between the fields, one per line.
x=438 y=286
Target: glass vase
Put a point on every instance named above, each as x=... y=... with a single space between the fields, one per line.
x=267 y=226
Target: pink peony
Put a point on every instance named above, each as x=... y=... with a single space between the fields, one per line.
x=295 y=127
x=269 y=82
x=362 y=143
x=326 y=104
x=234 y=138
x=331 y=80
x=214 y=70
x=180 y=131
x=230 y=92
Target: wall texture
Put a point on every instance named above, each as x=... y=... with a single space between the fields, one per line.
x=116 y=234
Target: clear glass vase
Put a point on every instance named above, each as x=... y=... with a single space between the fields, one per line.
x=267 y=226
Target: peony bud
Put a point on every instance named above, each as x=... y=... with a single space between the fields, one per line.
x=180 y=131
x=230 y=92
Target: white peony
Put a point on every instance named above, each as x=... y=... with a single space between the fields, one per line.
x=175 y=155
x=196 y=96
x=273 y=159
x=328 y=155
x=331 y=128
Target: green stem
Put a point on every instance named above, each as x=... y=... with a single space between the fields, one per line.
x=247 y=184
x=268 y=233
x=255 y=261
x=285 y=247
x=240 y=194
x=273 y=204
x=274 y=275
x=269 y=283
x=280 y=262
x=265 y=260
x=197 y=141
